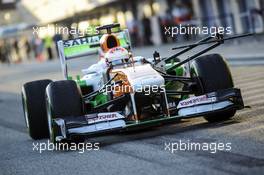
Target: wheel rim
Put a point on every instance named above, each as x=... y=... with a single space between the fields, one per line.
x=49 y=121
x=25 y=109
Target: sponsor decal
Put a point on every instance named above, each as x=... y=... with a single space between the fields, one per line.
x=104 y=117
x=195 y=101
x=81 y=41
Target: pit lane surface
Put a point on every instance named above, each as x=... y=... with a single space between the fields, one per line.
x=140 y=152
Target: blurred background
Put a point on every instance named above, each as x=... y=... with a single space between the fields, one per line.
x=27 y=55
x=145 y=20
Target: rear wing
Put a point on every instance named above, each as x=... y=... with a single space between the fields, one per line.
x=85 y=46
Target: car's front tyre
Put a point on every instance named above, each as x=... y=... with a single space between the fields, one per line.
x=63 y=99
x=213 y=74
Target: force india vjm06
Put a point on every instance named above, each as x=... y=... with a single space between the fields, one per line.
x=122 y=91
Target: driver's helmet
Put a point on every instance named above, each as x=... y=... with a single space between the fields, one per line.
x=117 y=56
x=109 y=41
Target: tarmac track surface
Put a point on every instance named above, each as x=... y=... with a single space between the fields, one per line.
x=141 y=152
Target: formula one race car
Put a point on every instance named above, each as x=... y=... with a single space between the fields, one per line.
x=122 y=91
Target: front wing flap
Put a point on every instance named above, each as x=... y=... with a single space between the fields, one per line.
x=211 y=102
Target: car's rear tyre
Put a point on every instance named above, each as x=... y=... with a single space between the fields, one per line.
x=63 y=98
x=213 y=74
x=33 y=100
